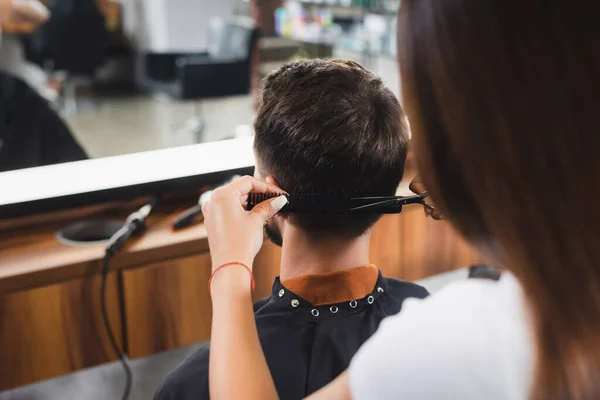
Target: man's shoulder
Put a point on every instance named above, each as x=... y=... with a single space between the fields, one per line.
x=401 y=290
x=189 y=380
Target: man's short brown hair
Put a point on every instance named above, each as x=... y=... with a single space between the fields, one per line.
x=331 y=127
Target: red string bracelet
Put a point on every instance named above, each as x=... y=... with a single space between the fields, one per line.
x=252 y=283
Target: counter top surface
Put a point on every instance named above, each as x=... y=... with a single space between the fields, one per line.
x=32 y=257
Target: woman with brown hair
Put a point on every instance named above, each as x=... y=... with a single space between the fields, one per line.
x=501 y=96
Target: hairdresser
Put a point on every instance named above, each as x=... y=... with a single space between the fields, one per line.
x=502 y=97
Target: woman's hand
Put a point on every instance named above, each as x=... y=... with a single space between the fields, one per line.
x=234 y=234
x=417 y=187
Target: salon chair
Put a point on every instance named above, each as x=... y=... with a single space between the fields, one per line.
x=223 y=70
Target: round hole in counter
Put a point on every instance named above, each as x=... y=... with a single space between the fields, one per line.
x=88 y=232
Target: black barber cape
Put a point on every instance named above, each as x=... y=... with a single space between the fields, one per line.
x=306 y=347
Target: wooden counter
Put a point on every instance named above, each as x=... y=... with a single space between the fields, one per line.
x=157 y=291
x=33 y=257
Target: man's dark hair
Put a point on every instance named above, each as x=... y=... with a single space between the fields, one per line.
x=331 y=127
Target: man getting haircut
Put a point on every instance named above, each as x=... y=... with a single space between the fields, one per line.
x=326 y=127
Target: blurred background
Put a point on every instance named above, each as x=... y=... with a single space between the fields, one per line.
x=127 y=76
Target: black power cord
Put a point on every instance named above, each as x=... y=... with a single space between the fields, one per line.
x=134 y=224
x=109 y=331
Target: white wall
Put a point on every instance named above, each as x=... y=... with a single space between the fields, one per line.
x=172 y=25
x=189 y=20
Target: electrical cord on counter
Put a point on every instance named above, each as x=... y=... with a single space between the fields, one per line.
x=188 y=217
x=134 y=224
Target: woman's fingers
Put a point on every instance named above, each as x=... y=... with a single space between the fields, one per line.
x=435 y=214
x=235 y=234
x=417 y=187
x=267 y=209
x=238 y=190
x=248 y=184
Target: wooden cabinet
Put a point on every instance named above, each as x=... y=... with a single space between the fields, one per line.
x=167 y=304
x=409 y=246
x=56 y=330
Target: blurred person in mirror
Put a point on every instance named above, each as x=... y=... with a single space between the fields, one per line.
x=332 y=128
x=31 y=133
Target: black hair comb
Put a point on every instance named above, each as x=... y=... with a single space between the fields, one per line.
x=310 y=203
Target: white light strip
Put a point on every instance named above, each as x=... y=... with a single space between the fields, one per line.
x=121 y=171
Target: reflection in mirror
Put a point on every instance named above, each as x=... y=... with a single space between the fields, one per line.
x=105 y=77
x=109 y=77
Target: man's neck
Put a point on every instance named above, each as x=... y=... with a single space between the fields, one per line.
x=303 y=254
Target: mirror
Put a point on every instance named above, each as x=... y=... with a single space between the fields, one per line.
x=104 y=78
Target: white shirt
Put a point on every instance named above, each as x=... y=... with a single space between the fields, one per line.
x=471 y=340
